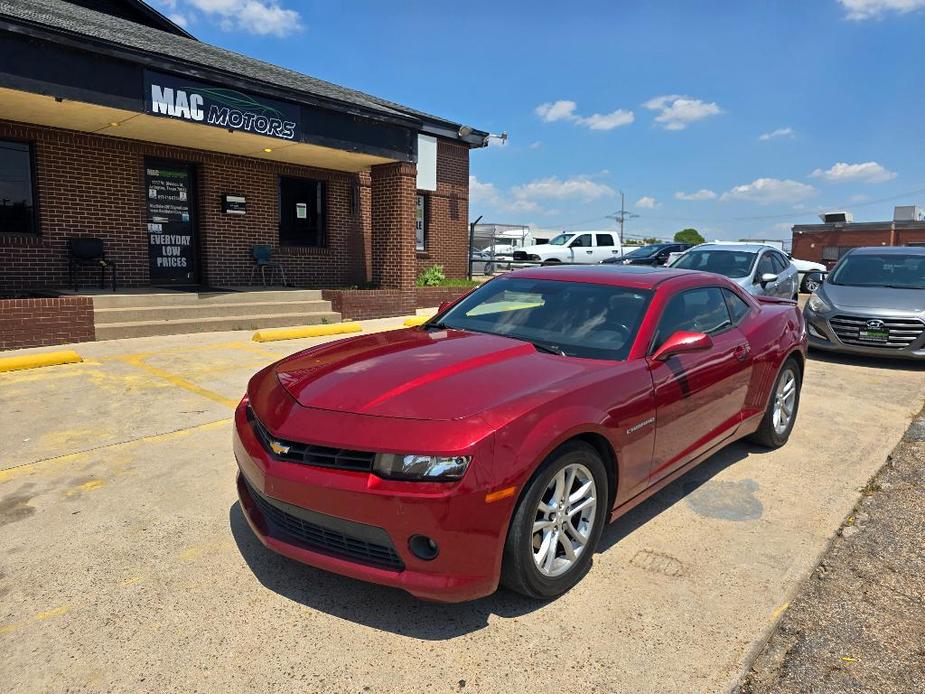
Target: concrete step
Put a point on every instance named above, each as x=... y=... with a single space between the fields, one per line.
x=104 y=316
x=173 y=298
x=115 y=331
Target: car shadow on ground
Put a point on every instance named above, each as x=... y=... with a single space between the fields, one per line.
x=896 y=364
x=395 y=611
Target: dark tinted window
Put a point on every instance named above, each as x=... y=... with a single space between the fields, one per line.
x=765 y=265
x=780 y=262
x=737 y=306
x=722 y=262
x=595 y=321
x=584 y=241
x=886 y=270
x=604 y=240
x=301 y=212
x=17 y=208
x=696 y=311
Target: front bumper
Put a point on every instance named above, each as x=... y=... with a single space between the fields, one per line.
x=823 y=336
x=469 y=532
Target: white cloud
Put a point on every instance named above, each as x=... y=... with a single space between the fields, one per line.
x=607 y=121
x=868 y=172
x=780 y=132
x=261 y=17
x=702 y=194
x=677 y=112
x=536 y=145
x=859 y=10
x=578 y=187
x=563 y=109
x=531 y=196
x=557 y=110
x=647 y=202
x=765 y=191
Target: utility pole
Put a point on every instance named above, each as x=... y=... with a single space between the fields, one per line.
x=622 y=216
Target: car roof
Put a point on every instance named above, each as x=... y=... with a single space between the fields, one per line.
x=634 y=276
x=733 y=246
x=890 y=250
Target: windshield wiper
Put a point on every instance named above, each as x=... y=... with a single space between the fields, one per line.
x=549 y=349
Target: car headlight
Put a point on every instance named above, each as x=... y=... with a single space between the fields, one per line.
x=424 y=468
x=818 y=304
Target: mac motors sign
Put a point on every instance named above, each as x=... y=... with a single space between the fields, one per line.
x=197 y=102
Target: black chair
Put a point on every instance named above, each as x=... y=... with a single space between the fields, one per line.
x=89 y=252
x=262 y=260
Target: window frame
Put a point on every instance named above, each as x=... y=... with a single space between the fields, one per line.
x=573 y=243
x=33 y=187
x=322 y=190
x=424 y=221
x=612 y=243
x=655 y=334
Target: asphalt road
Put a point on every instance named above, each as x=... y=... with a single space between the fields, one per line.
x=125 y=563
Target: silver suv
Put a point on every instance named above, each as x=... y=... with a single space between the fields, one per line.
x=759 y=269
x=872 y=303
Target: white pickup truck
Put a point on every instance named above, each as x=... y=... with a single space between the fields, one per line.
x=572 y=247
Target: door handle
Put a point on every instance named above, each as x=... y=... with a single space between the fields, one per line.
x=588 y=252
x=741 y=352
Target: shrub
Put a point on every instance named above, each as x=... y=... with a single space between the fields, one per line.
x=431 y=277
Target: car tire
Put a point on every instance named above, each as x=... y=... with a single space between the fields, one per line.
x=809 y=286
x=523 y=550
x=772 y=432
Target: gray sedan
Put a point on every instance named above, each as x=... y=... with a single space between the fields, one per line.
x=760 y=270
x=872 y=303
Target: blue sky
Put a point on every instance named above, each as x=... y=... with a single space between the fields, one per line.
x=737 y=118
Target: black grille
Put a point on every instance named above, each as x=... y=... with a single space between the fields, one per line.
x=902 y=331
x=364 y=544
x=309 y=454
x=520 y=255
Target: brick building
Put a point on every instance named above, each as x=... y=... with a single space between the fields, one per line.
x=117 y=124
x=827 y=242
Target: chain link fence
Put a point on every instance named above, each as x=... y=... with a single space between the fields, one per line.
x=492 y=246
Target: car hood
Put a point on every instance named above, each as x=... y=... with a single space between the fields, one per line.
x=883 y=298
x=420 y=374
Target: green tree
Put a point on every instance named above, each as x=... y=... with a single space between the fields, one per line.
x=689 y=236
x=649 y=240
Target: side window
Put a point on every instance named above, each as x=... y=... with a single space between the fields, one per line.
x=700 y=310
x=765 y=266
x=583 y=241
x=738 y=309
x=604 y=239
x=780 y=263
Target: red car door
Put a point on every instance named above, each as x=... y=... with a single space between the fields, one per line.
x=699 y=396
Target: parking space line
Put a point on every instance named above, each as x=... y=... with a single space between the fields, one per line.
x=38 y=617
x=178 y=381
x=30 y=468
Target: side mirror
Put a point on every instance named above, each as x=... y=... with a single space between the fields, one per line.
x=682 y=342
x=767 y=278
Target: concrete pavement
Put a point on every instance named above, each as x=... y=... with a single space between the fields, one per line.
x=125 y=563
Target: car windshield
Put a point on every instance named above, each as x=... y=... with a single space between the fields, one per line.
x=560 y=240
x=644 y=252
x=722 y=262
x=887 y=270
x=577 y=319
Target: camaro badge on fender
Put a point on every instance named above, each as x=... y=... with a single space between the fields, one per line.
x=644 y=423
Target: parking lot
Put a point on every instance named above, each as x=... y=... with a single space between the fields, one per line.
x=125 y=562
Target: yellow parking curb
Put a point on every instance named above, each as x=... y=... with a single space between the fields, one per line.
x=274 y=334
x=33 y=361
x=417 y=320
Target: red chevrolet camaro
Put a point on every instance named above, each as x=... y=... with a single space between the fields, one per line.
x=495 y=441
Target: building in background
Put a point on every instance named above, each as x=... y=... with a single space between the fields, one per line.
x=827 y=242
x=182 y=157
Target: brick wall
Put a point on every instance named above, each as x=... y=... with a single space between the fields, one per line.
x=426 y=297
x=363 y=304
x=809 y=245
x=93 y=185
x=40 y=322
x=447 y=239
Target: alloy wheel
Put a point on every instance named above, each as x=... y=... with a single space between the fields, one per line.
x=564 y=519
x=784 y=401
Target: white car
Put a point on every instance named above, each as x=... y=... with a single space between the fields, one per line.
x=804 y=267
x=573 y=247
